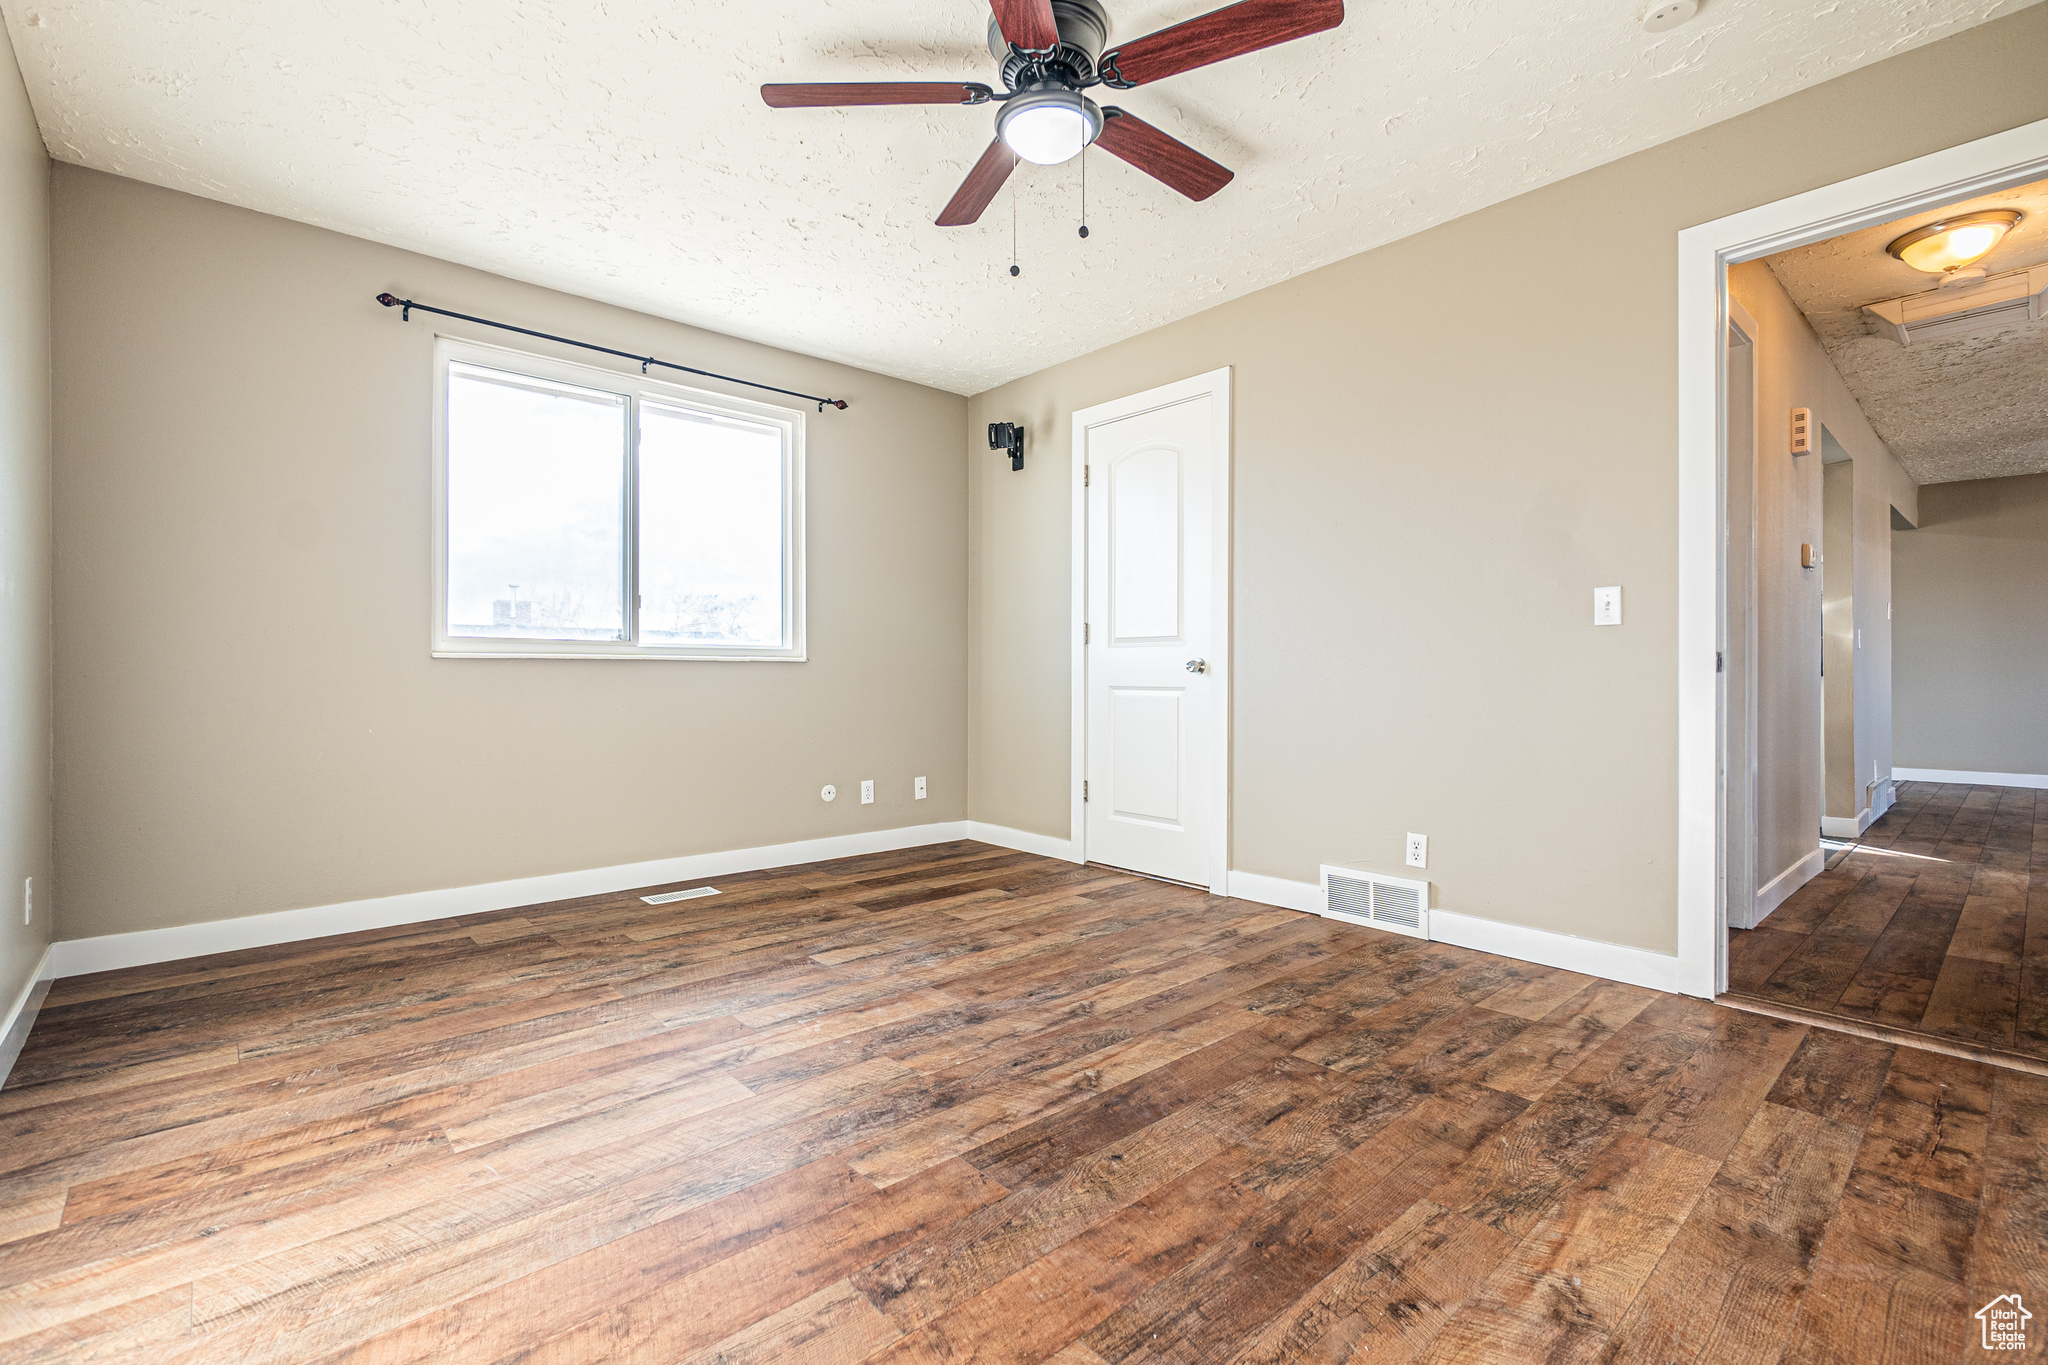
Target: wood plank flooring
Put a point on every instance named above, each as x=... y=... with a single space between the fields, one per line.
x=1937 y=921
x=958 y=1103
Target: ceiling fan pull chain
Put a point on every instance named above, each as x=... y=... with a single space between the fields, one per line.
x=1015 y=270
x=1084 y=191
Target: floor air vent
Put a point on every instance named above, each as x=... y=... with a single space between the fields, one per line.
x=1394 y=903
x=671 y=897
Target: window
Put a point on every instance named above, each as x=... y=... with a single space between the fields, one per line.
x=582 y=512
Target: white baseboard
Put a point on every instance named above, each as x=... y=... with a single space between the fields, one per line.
x=1779 y=889
x=1289 y=895
x=1592 y=956
x=109 y=952
x=21 y=1015
x=74 y=957
x=1842 y=827
x=1636 y=966
x=1044 y=845
x=2038 y=781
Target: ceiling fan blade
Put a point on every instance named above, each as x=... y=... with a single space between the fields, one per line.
x=1228 y=32
x=1026 y=23
x=1163 y=157
x=980 y=186
x=874 y=92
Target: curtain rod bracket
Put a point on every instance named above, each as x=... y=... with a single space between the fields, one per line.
x=405 y=307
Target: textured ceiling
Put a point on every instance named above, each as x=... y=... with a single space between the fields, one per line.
x=1961 y=407
x=621 y=152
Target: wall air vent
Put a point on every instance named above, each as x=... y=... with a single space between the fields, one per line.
x=1998 y=301
x=1393 y=903
x=671 y=897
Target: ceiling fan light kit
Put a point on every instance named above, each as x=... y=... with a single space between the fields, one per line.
x=1053 y=50
x=1050 y=125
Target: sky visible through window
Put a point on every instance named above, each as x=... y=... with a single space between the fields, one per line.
x=537 y=514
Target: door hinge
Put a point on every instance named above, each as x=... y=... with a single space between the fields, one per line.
x=1084 y=789
x=1717 y=661
x=1084 y=476
x=1084 y=632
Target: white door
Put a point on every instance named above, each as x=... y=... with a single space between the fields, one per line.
x=1156 y=630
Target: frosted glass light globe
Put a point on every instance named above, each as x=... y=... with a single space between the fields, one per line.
x=1046 y=127
x=1952 y=243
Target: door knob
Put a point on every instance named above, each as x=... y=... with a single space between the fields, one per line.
x=1198 y=665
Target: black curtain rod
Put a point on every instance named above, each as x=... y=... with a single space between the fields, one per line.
x=393 y=301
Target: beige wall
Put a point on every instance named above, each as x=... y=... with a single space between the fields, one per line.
x=1972 y=599
x=1442 y=446
x=249 y=720
x=1793 y=371
x=25 y=841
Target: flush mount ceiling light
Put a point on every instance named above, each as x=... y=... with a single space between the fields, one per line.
x=1046 y=127
x=1946 y=246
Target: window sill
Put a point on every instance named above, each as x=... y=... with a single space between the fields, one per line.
x=648 y=655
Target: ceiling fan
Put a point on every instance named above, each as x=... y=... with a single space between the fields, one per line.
x=1051 y=51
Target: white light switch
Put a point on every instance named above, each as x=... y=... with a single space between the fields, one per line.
x=1607 y=606
x=1418 y=850
x=867 y=792
x=920 y=789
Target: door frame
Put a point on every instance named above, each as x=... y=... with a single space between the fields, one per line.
x=1705 y=252
x=1739 y=320
x=1216 y=385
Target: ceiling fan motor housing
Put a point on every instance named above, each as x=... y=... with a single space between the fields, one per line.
x=1084 y=32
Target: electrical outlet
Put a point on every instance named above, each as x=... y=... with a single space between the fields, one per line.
x=867 y=792
x=920 y=789
x=827 y=792
x=1418 y=850
x=28 y=900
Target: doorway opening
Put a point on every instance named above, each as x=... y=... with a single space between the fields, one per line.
x=1880 y=488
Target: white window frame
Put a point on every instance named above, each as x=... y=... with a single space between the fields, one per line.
x=634 y=389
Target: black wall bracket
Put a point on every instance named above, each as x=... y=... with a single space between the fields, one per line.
x=1008 y=436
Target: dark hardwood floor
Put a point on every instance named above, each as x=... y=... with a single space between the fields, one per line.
x=958 y=1103
x=1936 y=922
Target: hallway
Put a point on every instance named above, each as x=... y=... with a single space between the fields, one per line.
x=1936 y=922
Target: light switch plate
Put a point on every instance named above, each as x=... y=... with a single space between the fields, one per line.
x=1607 y=606
x=920 y=789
